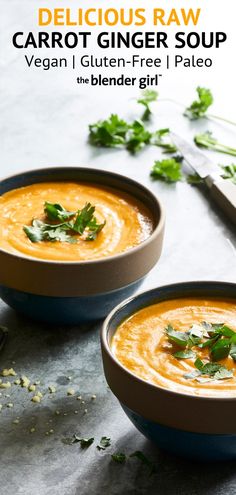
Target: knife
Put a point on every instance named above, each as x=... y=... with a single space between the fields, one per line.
x=222 y=191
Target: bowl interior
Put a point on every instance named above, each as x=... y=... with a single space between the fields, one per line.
x=83 y=174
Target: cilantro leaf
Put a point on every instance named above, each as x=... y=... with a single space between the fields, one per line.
x=104 y=443
x=93 y=229
x=84 y=442
x=55 y=211
x=141 y=456
x=184 y=354
x=137 y=136
x=213 y=370
x=229 y=172
x=108 y=133
x=168 y=170
x=119 y=457
x=84 y=220
x=35 y=232
x=198 y=108
x=223 y=373
x=161 y=138
x=220 y=349
x=179 y=338
x=192 y=375
x=206 y=140
x=147 y=97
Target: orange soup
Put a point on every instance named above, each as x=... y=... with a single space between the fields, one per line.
x=184 y=345
x=127 y=221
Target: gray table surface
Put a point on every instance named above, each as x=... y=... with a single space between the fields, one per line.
x=44 y=119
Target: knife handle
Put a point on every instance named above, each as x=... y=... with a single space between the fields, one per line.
x=223 y=193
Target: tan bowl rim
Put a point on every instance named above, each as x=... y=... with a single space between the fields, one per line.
x=104 y=341
x=157 y=230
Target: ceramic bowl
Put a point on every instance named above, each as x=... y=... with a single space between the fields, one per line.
x=74 y=292
x=194 y=427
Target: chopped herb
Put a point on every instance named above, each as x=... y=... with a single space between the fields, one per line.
x=147 y=97
x=84 y=442
x=184 y=354
x=119 y=457
x=108 y=133
x=191 y=376
x=162 y=139
x=199 y=107
x=229 y=172
x=196 y=331
x=104 y=443
x=137 y=137
x=223 y=373
x=220 y=349
x=178 y=338
x=221 y=341
x=41 y=231
x=168 y=170
x=206 y=140
x=55 y=211
x=84 y=219
x=145 y=461
x=214 y=370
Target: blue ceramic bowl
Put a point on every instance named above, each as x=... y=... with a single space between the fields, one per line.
x=202 y=428
x=74 y=292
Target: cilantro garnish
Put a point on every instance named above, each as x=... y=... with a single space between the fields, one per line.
x=77 y=222
x=147 y=97
x=119 y=457
x=184 y=354
x=199 y=107
x=206 y=140
x=167 y=170
x=55 y=211
x=219 y=338
x=104 y=443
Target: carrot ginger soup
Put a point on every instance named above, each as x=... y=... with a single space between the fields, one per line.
x=185 y=345
x=71 y=221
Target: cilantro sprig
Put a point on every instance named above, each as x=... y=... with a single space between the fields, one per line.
x=217 y=337
x=148 y=96
x=104 y=443
x=208 y=141
x=167 y=170
x=199 y=107
x=109 y=133
x=82 y=222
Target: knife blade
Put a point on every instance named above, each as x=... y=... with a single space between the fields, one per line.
x=197 y=160
x=223 y=191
